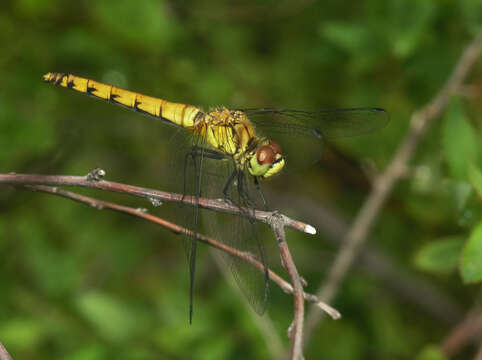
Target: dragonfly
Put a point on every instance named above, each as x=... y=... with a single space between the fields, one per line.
x=227 y=153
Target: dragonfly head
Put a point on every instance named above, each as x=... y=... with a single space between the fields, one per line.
x=267 y=160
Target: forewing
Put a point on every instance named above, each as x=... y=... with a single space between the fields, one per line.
x=301 y=133
x=333 y=123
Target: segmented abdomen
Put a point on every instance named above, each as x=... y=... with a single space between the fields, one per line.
x=179 y=114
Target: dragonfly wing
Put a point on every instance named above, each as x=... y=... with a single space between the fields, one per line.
x=333 y=123
x=239 y=232
x=301 y=133
x=185 y=177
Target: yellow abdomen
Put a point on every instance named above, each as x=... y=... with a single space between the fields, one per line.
x=176 y=113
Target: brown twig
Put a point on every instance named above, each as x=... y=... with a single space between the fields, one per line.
x=4 y=355
x=277 y=222
x=142 y=213
x=296 y=328
x=469 y=330
x=478 y=356
x=94 y=180
x=384 y=184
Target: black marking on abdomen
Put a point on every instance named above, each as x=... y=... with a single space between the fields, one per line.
x=58 y=80
x=136 y=105
x=90 y=89
x=113 y=97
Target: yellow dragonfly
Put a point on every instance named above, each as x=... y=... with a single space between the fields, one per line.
x=227 y=155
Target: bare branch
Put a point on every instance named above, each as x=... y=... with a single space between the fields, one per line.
x=4 y=355
x=142 y=213
x=276 y=220
x=296 y=328
x=384 y=184
x=478 y=356
x=466 y=332
x=93 y=180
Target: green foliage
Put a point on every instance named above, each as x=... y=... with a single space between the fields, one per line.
x=471 y=264
x=440 y=256
x=459 y=140
x=21 y=333
x=431 y=352
x=475 y=178
x=112 y=320
x=142 y=23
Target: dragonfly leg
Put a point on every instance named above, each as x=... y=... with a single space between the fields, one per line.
x=228 y=184
x=260 y=192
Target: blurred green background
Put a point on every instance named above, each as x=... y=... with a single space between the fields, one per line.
x=82 y=284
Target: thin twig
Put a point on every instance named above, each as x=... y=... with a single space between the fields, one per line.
x=469 y=330
x=142 y=213
x=277 y=222
x=93 y=180
x=4 y=355
x=384 y=184
x=478 y=356
x=296 y=328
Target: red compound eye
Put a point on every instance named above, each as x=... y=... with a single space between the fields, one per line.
x=265 y=155
x=276 y=148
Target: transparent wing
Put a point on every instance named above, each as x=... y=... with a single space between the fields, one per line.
x=198 y=171
x=301 y=133
x=239 y=232
x=184 y=177
x=333 y=123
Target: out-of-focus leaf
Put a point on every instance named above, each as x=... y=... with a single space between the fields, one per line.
x=21 y=333
x=350 y=37
x=35 y=7
x=440 y=256
x=459 y=144
x=472 y=11
x=431 y=352
x=411 y=20
x=107 y=315
x=350 y=345
x=146 y=23
x=92 y=352
x=471 y=262
x=214 y=349
x=475 y=178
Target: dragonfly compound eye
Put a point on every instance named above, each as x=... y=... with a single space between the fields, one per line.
x=265 y=155
x=276 y=147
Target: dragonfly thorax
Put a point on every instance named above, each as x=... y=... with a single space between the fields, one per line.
x=231 y=133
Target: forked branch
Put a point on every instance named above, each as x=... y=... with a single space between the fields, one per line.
x=49 y=184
